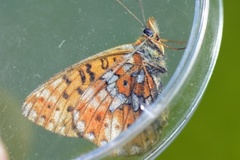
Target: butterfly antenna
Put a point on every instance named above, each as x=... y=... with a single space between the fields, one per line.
x=142 y=10
x=134 y=16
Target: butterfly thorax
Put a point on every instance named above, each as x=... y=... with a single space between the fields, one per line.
x=153 y=56
x=152 y=49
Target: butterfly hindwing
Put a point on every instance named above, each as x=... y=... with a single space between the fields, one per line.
x=112 y=103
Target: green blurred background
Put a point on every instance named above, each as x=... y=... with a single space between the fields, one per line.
x=212 y=133
x=214 y=130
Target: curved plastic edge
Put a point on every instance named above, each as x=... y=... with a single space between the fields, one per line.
x=199 y=27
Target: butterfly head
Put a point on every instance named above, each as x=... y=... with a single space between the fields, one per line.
x=151 y=32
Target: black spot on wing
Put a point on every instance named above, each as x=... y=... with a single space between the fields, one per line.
x=70 y=108
x=68 y=81
x=91 y=74
x=105 y=64
x=82 y=76
x=65 y=95
x=79 y=90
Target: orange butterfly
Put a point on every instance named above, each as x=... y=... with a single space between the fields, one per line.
x=100 y=97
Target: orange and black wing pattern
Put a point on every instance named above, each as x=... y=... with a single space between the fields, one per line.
x=101 y=96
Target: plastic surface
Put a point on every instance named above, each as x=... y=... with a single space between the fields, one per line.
x=40 y=39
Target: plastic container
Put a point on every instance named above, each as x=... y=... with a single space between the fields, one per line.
x=42 y=38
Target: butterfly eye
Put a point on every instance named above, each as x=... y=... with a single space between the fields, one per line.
x=148 y=32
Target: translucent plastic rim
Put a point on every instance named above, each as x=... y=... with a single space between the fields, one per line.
x=174 y=85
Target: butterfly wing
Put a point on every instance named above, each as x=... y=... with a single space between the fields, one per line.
x=112 y=103
x=52 y=103
x=97 y=99
x=146 y=140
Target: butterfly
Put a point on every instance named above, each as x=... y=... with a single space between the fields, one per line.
x=101 y=96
